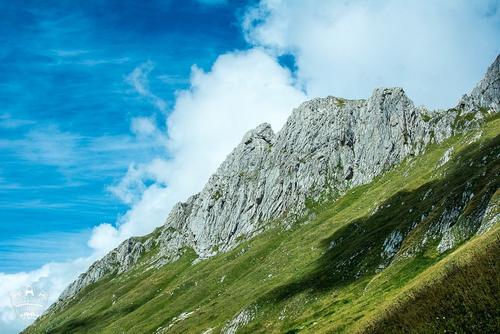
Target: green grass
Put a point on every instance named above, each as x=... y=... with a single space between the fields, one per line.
x=457 y=295
x=295 y=281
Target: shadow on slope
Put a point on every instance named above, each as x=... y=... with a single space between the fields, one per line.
x=465 y=299
x=357 y=250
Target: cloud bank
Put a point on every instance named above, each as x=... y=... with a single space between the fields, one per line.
x=436 y=50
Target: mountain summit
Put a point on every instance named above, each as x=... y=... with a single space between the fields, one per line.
x=352 y=200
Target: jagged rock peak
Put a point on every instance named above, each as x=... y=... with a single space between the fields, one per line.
x=393 y=95
x=262 y=132
x=319 y=105
x=486 y=94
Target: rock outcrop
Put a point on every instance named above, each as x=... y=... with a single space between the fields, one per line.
x=327 y=146
x=486 y=94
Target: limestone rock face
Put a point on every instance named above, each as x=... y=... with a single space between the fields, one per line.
x=327 y=146
x=119 y=260
x=486 y=94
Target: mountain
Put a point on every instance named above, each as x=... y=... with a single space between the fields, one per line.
x=357 y=216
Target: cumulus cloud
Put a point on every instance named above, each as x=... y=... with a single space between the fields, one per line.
x=242 y=90
x=104 y=237
x=436 y=50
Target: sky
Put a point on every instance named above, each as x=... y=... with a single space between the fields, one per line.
x=113 y=111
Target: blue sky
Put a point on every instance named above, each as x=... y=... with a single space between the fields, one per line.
x=66 y=107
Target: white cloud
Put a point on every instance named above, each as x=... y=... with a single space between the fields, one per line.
x=50 y=146
x=33 y=204
x=51 y=278
x=9 y=122
x=131 y=186
x=436 y=50
x=143 y=126
x=138 y=79
x=104 y=237
x=69 y=53
x=242 y=90
x=78 y=157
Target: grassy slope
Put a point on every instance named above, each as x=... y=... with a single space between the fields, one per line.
x=292 y=280
x=456 y=295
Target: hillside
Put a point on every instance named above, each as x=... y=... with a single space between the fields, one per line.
x=368 y=216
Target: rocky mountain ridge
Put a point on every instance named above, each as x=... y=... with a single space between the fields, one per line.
x=328 y=145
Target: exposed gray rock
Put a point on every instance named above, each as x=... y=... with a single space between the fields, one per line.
x=486 y=94
x=327 y=146
x=391 y=244
x=241 y=319
x=491 y=214
x=119 y=260
x=174 y=321
x=445 y=158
